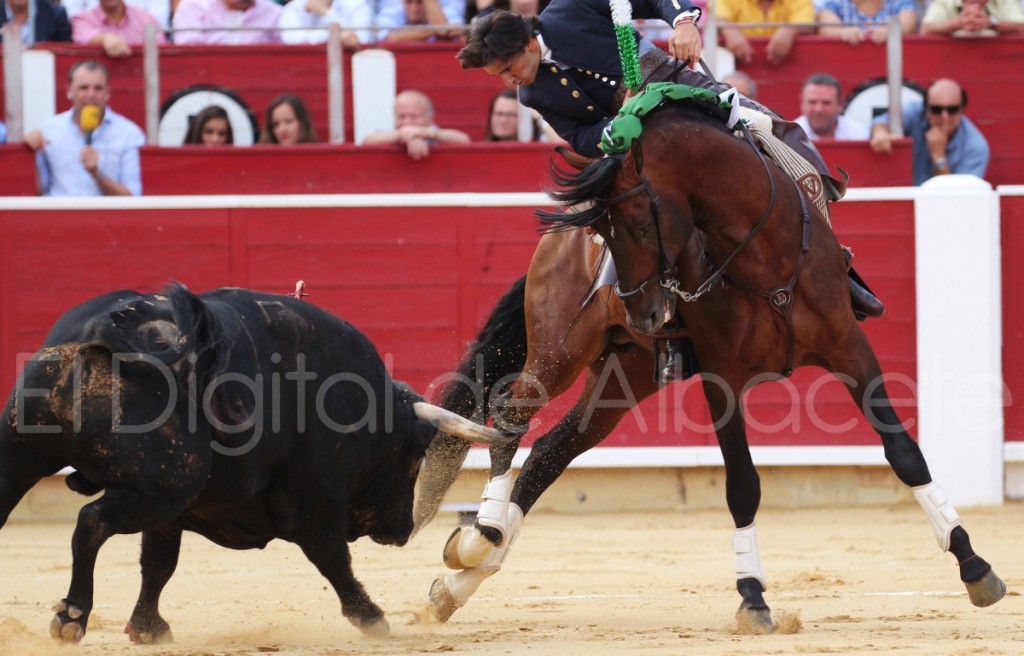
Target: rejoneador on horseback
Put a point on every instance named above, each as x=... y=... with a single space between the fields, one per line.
x=566 y=64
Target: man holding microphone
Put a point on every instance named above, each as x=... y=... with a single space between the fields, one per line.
x=89 y=150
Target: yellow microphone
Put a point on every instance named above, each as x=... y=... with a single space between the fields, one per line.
x=89 y=120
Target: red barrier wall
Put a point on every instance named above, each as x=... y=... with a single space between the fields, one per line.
x=343 y=168
x=1012 y=237
x=419 y=281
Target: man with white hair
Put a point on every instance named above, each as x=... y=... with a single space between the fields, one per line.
x=414 y=126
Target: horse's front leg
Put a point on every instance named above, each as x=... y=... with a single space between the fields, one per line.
x=904 y=455
x=478 y=551
x=743 y=496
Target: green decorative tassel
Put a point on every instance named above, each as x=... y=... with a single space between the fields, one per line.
x=628 y=56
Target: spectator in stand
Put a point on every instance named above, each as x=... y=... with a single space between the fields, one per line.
x=42 y=21
x=835 y=17
x=973 y=17
x=261 y=14
x=287 y=122
x=419 y=20
x=780 y=39
x=115 y=26
x=414 y=126
x=503 y=121
x=742 y=83
x=316 y=15
x=945 y=141
x=159 y=9
x=210 y=127
x=821 y=101
x=71 y=161
x=3 y=132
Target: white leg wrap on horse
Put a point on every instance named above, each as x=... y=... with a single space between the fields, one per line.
x=494 y=503
x=940 y=511
x=748 y=556
x=462 y=584
x=477 y=551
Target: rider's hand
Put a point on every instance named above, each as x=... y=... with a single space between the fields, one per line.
x=685 y=44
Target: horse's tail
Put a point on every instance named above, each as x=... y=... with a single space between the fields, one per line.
x=498 y=351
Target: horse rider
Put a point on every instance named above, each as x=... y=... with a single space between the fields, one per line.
x=566 y=65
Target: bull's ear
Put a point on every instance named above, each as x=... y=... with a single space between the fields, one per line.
x=573 y=159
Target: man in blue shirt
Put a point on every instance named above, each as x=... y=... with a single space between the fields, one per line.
x=945 y=141
x=72 y=161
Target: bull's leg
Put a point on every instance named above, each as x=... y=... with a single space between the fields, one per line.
x=743 y=496
x=331 y=556
x=599 y=409
x=160 y=549
x=72 y=612
x=904 y=455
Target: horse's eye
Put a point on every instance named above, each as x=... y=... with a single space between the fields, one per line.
x=643 y=230
x=611 y=232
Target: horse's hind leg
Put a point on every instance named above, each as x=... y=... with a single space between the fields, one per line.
x=743 y=496
x=904 y=455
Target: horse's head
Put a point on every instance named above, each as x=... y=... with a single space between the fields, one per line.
x=615 y=198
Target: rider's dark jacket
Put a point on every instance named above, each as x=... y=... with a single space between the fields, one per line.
x=578 y=88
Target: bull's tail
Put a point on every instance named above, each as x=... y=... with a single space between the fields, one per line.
x=499 y=350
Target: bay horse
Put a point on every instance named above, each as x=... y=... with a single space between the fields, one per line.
x=688 y=207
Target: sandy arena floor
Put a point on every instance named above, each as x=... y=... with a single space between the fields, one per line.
x=861 y=581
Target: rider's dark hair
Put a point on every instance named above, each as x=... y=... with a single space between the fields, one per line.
x=498 y=35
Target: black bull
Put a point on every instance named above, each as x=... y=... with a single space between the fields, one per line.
x=241 y=416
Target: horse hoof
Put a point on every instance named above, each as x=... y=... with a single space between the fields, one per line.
x=753 y=621
x=987 y=590
x=442 y=603
x=466 y=548
x=450 y=555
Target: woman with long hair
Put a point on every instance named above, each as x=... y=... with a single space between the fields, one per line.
x=210 y=127
x=287 y=122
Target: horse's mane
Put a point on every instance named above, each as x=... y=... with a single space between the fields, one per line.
x=588 y=186
x=576 y=187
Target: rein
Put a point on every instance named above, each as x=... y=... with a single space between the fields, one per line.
x=667 y=273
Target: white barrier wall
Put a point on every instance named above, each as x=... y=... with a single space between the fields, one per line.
x=959 y=336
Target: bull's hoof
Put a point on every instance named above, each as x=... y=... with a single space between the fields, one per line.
x=149 y=633
x=442 y=604
x=68 y=625
x=377 y=628
x=754 y=621
x=987 y=590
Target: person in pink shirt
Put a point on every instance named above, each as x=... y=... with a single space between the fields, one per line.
x=226 y=13
x=115 y=26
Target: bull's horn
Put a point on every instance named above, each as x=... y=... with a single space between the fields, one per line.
x=457 y=425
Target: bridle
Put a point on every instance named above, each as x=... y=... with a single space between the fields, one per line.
x=780 y=298
x=666 y=274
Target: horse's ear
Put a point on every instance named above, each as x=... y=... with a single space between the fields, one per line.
x=632 y=164
x=573 y=159
x=638 y=156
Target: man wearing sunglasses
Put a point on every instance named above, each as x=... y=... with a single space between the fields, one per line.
x=945 y=141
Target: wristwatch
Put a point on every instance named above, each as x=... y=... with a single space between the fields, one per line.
x=940 y=163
